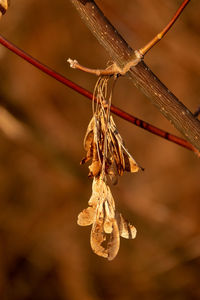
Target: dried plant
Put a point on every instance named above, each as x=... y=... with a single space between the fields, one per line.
x=107 y=224
x=103 y=143
x=109 y=159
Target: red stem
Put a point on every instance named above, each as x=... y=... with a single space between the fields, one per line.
x=159 y=36
x=124 y=115
x=175 y=17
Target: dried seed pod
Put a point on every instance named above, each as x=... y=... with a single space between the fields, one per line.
x=95 y=168
x=106 y=150
x=114 y=242
x=89 y=136
x=103 y=141
x=127 y=162
x=86 y=217
x=107 y=224
x=126 y=230
x=97 y=237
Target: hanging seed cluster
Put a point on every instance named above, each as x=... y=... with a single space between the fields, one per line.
x=109 y=159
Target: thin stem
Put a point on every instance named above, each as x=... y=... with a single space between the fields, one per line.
x=99 y=72
x=111 y=70
x=161 y=34
x=122 y=114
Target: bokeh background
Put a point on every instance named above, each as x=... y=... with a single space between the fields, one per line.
x=44 y=254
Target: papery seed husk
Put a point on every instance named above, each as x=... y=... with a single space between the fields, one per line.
x=109 y=207
x=112 y=172
x=126 y=230
x=97 y=237
x=89 y=136
x=130 y=163
x=86 y=217
x=94 y=168
x=114 y=242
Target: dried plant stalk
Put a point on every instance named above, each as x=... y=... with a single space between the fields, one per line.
x=109 y=157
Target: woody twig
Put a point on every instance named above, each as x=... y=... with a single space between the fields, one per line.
x=141 y=76
x=113 y=69
x=139 y=54
x=117 y=111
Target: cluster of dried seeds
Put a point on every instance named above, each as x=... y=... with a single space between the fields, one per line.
x=109 y=159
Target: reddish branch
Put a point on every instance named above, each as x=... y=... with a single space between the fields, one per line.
x=141 y=76
x=82 y=91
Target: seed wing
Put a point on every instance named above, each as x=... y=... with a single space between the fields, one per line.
x=130 y=163
x=86 y=217
x=97 y=237
x=127 y=162
x=114 y=241
x=126 y=230
x=89 y=136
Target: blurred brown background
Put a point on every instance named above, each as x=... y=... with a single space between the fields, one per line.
x=44 y=254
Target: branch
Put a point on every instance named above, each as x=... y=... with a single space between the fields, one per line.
x=122 y=114
x=141 y=76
